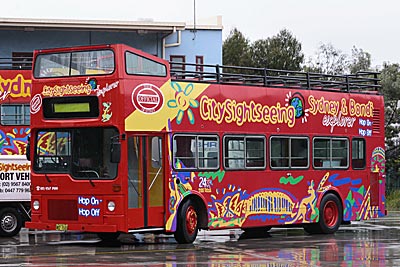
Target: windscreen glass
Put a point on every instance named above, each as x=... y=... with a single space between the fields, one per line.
x=82 y=63
x=82 y=152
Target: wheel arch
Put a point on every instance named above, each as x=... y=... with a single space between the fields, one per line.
x=200 y=206
x=22 y=207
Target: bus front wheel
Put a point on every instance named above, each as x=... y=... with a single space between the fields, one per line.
x=330 y=216
x=187 y=226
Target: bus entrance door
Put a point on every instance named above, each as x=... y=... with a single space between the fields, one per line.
x=145 y=182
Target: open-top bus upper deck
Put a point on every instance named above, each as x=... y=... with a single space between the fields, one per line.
x=81 y=77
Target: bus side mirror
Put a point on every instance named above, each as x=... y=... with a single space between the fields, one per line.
x=115 y=152
x=28 y=150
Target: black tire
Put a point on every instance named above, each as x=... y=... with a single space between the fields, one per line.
x=108 y=237
x=330 y=216
x=187 y=224
x=10 y=222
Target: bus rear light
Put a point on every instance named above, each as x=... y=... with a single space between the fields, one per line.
x=116 y=187
x=111 y=206
x=36 y=205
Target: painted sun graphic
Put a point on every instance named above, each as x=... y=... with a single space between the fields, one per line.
x=183 y=102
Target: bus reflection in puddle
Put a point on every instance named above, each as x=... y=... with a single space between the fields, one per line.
x=221 y=249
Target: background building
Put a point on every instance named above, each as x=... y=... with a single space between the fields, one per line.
x=169 y=40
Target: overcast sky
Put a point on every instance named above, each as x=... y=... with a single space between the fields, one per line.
x=370 y=25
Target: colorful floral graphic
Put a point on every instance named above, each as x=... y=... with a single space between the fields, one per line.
x=107 y=113
x=183 y=101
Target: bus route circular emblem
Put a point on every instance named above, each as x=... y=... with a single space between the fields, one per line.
x=36 y=103
x=147 y=98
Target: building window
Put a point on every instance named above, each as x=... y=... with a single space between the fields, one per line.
x=331 y=152
x=358 y=153
x=199 y=63
x=22 y=60
x=15 y=114
x=244 y=152
x=289 y=152
x=177 y=65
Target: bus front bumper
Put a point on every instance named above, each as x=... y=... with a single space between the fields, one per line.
x=71 y=227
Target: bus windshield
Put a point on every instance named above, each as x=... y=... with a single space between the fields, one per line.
x=82 y=152
x=99 y=62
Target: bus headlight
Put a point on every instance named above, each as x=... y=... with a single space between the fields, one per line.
x=36 y=205
x=111 y=206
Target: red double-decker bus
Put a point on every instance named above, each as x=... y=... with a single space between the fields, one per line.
x=15 y=89
x=122 y=141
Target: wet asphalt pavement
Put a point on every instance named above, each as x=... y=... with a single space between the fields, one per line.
x=368 y=243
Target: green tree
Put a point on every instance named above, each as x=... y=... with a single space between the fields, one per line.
x=282 y=51
x=390 y=82
x=360 y=60
x=235 y=50
x=328 y=60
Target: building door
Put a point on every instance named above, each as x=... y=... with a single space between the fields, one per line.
x=145 y=181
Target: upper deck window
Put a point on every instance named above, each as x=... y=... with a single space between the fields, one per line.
x=138 y=65
x=99 y=62
x=15 y=114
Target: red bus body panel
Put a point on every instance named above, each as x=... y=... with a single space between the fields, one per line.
x=232 y=198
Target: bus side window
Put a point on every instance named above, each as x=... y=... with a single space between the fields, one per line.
x=212 y=161
x=358 y=159
x=184 y=152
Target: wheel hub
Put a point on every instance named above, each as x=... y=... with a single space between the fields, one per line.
x=191 y=220
x=331 y=214
x=9 y=223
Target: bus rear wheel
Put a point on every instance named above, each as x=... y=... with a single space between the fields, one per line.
x=187 y=227
x=330 y=216
x=10 y=222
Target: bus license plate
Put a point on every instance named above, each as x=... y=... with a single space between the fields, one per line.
x=61 y=227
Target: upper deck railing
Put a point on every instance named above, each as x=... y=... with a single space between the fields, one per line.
x=363 y=82
x=20 y=63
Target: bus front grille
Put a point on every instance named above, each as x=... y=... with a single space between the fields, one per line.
x=61 y=209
